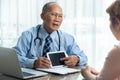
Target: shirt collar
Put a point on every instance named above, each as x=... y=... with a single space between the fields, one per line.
x=45 y=34
x=42 y=32
x=54 y=34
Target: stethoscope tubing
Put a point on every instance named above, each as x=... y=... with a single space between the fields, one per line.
x=40 y=40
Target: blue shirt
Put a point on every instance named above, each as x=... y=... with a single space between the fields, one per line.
x=28 y=52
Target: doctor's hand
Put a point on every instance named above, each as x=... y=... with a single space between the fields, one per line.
x=42 y=62
x=70 y=61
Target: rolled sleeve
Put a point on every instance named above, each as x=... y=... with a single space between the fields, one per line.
x=22 y=49
x=74 y=49
x=29 y=63
x=82 y=60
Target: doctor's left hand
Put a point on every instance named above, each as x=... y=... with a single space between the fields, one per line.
x=42 y=62
x=70 y=61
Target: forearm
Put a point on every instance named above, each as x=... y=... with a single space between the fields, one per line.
x=82 y=61
x=26 y=62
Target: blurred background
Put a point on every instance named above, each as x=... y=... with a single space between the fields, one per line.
x=86 y=20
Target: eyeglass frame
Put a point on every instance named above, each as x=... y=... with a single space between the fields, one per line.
x=55 y=14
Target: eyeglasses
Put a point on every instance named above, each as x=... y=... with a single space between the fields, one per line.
x=54 y=14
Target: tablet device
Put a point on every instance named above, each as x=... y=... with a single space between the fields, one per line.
x=54 y=57
x=57 y=66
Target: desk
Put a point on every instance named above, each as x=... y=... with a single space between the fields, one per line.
x=74 y=76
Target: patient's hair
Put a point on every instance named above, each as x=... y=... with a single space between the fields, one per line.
x=114 y=12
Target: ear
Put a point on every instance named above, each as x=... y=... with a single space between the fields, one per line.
x=118 y=21
x=42 y=16
x=117 y=24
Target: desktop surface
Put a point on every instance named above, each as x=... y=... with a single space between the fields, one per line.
x=74 y=76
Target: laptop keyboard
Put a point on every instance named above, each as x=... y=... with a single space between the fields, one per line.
x=62 y=70
x=27 y=74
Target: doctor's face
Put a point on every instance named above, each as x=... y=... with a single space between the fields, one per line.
x=53 y=18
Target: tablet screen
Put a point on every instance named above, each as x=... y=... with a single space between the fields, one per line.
x=54 y=57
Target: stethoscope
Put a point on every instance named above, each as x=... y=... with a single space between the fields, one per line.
x=40 y=40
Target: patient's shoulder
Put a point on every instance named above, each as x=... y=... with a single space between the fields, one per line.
x=115 y=52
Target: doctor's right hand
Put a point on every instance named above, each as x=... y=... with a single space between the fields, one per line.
x=42 y=62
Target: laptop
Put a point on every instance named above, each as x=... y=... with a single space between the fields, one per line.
x=10 y=65
x=57 y=66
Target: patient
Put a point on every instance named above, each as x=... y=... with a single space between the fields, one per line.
x=111 y=68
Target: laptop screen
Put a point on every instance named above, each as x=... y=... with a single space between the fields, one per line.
x=9 y=64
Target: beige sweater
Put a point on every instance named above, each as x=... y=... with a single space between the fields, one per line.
x=111 y=68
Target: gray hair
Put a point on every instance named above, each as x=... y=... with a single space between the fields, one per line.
x=45 y=7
